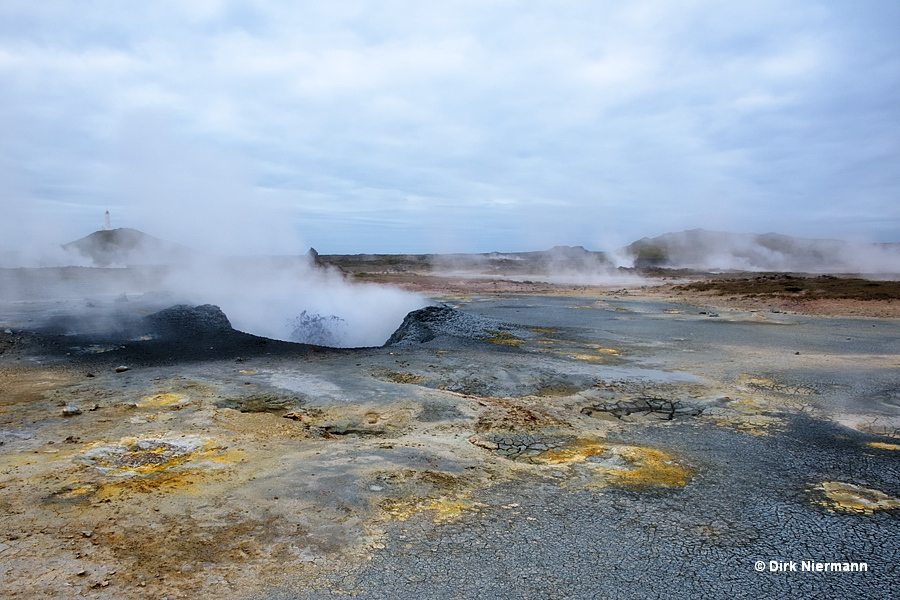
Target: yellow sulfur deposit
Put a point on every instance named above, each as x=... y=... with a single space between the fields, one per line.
x=884 y=446
x=630 y=466
x=503 y=338
x=164 y=399
x=853 y=498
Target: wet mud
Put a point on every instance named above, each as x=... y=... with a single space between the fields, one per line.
x=513 y=446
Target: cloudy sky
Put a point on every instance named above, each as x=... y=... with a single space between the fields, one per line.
x=417 y=126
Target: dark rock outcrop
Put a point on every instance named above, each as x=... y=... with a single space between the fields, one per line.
x=185 y=321
x=427 y=324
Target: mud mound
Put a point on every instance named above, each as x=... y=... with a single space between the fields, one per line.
x=440 y=323
x=204 y=321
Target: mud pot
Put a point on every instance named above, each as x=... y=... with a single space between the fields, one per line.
x=578 y=445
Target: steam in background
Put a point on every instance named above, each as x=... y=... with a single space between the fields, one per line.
x=266 y=128
x=408 y=127
x=560 y=265
x=718 y=251
x=184 y=207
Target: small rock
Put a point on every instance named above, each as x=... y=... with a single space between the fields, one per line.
x=121 y=369
x=375 y=488
x=94 y=407
x=7 y=331
x=87 y=533
x=71 y=410
x=89 y=375
x=81 y=573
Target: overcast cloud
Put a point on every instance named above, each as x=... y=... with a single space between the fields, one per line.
x=410 y=126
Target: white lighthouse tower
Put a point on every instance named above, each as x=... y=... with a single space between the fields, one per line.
x=106 y=225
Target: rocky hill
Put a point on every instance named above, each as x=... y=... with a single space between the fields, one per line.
x=126 y=246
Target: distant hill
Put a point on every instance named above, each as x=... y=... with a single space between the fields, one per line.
x=559 y=259
x=712 y=250
x=126 y=246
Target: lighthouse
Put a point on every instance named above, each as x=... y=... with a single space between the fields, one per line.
x=106 y=225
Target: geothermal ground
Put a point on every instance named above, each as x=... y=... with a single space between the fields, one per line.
x=521 y=441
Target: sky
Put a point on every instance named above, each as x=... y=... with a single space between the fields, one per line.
x=408 y=126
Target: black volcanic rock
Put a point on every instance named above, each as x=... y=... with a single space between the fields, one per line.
x=183 y=321
x=443 y=323
x=126 y=246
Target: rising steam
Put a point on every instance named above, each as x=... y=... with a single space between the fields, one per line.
x=283 y=298
x=713 y=251
x=290 y=299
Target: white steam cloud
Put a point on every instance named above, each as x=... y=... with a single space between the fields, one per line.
x=719 y=251
x=565 y=265
x=289 y=299
x=189 y=196
x=283 y=298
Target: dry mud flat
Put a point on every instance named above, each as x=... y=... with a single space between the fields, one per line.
x=518 y=446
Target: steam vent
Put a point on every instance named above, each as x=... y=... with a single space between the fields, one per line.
x=638 y=435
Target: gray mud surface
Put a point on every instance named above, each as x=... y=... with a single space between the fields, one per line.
x=509 y=447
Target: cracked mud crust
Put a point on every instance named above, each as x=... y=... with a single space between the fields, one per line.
x=610 y=445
